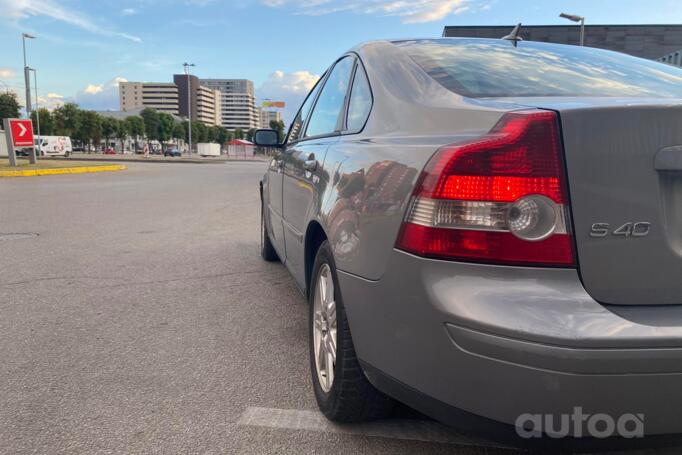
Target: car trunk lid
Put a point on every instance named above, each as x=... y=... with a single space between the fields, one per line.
x=624 y=167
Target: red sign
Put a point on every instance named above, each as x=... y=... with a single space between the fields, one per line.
x=22 y=132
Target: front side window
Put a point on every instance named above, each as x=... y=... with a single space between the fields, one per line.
x=360 y=102
x=327 y=111
x=302 y=116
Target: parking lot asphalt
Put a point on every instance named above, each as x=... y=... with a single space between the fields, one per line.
x=136 y=316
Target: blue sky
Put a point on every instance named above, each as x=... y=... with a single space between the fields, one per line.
x=85 y=46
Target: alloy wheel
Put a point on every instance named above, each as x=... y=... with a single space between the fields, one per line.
x=324 y=328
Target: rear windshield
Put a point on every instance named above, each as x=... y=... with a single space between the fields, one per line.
x=495 y=68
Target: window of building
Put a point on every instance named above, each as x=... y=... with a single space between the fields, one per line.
x=360 y=102
x=327 y=112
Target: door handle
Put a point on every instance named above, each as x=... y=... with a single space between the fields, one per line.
x=311 y=163
x=669 y=159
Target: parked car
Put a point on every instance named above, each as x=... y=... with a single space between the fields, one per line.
x=486 y=228
x=109 y=151
x=173 y=152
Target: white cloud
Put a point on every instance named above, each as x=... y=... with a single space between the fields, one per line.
x=128 y=11
x=7 y=73
x=288 y=87
x=411 y=11
x=15 y=10
x=93 y=89
x=51 y=101
x=99 y=96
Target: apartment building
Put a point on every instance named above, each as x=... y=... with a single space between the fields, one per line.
x=265 y=117
x=161 y=96
x=237 y=102
x=204 y=102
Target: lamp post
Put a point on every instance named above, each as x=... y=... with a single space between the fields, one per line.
x=189 y=107
x=581 y=20
x=27 y=77
x=35 y=87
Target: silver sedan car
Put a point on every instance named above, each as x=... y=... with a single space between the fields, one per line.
x=488 y=231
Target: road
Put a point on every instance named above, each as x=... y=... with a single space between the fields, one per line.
x=141 y=319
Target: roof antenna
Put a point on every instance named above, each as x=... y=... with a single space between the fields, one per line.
x=514 y=35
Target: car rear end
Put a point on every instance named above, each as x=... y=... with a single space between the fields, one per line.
x=536 y=278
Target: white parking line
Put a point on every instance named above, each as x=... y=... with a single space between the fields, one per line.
x=415 y=430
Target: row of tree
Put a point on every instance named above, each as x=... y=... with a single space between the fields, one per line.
x=89 y=127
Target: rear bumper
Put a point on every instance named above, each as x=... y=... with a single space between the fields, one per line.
x=501 y=342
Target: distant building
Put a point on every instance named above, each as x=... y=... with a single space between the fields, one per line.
x=674 y=58
x=237 y=102
x=204 y=102
x=265 y=117
x=161 y=96
x=647 y=41
x=122 y=115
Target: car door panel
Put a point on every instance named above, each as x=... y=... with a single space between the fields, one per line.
x=274 y=204
x=300 y=199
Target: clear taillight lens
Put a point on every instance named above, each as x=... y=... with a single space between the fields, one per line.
x=499 y=199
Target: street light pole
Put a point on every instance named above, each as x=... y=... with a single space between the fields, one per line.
x=35 y=87
x=27 y=76
x=189 y=107
x=576 y=18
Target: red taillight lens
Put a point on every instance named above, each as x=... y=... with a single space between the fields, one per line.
x=500 y=199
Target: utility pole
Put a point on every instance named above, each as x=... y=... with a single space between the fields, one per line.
x=189 y=106
x=35 y=87
x=576 y=18
x=27 y=76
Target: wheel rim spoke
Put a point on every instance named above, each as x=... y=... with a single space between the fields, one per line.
x=324 y=328
x=331 y=313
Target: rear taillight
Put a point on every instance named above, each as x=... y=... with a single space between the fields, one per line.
x=499 y=199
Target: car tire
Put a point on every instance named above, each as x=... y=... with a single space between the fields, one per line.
x=346 y=395
x=267 y=251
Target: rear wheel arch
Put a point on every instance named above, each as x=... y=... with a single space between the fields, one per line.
x=314 y=237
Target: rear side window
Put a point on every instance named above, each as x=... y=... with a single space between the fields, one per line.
x=495 y=68
x=327 y=111
x=360 y=102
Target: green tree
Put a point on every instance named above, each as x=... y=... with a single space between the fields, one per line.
x=223 y=135
x=90 y=128
x=238 y=134
x=179 y=131
x=151 y=123
x=165 y=128
x=213 y=133
x=122 y=132
x=9 y=106
x=279 y=127
x=202 y=132
x=250 y=133
x=67 y=120
x=109 y=128
x=46 y=122
x=135 y=126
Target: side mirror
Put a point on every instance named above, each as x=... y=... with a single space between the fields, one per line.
x=266 y=138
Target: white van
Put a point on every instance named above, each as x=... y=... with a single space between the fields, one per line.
x=3 y=145
x=54 y=146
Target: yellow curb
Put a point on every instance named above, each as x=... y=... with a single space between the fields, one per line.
x=63 y=170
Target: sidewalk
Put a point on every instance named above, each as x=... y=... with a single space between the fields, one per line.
x=159 y=158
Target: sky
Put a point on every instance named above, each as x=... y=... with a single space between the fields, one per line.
x=85 y=47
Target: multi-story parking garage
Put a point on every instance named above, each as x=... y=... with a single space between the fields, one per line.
x=647 y=41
